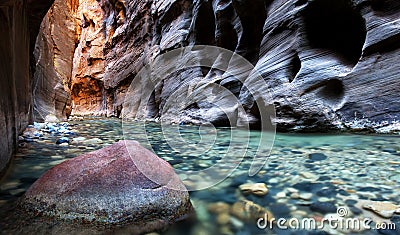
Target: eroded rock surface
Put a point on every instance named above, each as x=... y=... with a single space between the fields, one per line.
x=107 y=187
x=54 y=53
x=328 y=64
x=19 y=24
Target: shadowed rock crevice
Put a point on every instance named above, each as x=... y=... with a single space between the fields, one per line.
x=204 y=24
x=332 y=92
x=385 y=7
x=295 y=66
x=252 y=15
x=387 y=45
x=335 y=25
x=226 y=35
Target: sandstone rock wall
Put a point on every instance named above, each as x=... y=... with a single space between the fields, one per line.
x=19 y=23
x=54 y=53
x=329 y=64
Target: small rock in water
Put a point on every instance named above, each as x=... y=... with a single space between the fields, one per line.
x=281 y=195
x=31 y=132
x=62 y=140
x=175 y=162
x=327 y=192
x=93 y=141
x=78 y=140
x=248 y=211
x=309 y=175
x=218 y=207
x=305 y=196
x=223 y=218
x=383 y=209
x=317 y=156
x=355 y=210
x=258 y=189
x=39 y=126
x=323 y=207
x=351 y=202
x=295 y=195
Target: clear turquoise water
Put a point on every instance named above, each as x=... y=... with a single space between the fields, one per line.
x=358 y=168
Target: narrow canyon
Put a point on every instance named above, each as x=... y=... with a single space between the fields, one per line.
x=330 y=65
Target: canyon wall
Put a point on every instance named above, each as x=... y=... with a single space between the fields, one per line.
x=19 y=25
x=328 y=64
x=54 y=53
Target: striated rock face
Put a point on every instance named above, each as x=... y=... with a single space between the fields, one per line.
x=54 y=52
x=107 y=187
x=19 y=23
x=329 y=64
x=88 y=70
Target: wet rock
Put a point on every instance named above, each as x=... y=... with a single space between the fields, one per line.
x=93 y=141
x=383 y=209
x=106 y=187
x=78 y=140
x=31 y=132
x=317 y=156
x=258 y=189
x=351 y=202
x=218 y=207
x=223 y=219
x=355 y=210
x=62 y=140
x=327 y=192
x=281 y=195
x=309 y=175
x=280 y=210
x=305 y=196
x=39 y=125
x=308 y=187
x=248 y=211
x=323 y=207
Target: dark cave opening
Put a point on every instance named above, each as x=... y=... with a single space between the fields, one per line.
x=333 y=91
x=335 y=25
x=204 y=25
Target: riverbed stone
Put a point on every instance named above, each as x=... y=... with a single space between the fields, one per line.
x=248 y=211
x=258 y=189
x=317 y=156
x=106 y=187
x=323 y=207
x=218 y=207
x=383 y=209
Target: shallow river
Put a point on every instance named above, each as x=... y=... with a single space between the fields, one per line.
x=307 y=176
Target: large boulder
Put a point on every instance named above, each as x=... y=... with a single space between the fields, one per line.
x=106 y=187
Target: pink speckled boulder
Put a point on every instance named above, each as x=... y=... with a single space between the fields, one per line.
x=106 y=187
